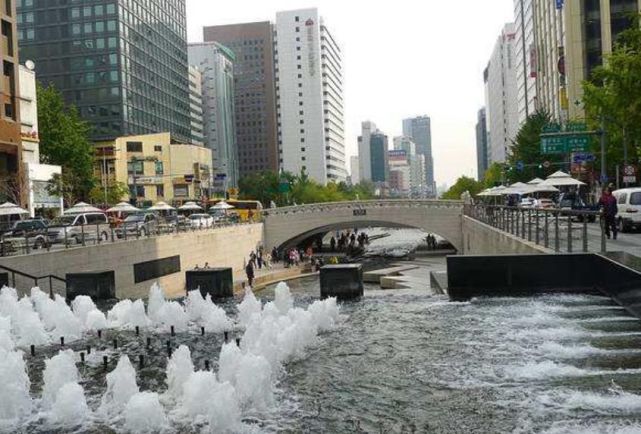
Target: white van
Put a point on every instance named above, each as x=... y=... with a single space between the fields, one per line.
x=629 y=204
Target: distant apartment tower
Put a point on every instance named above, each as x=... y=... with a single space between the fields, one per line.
x=364 y=153
x=216 y=65
x=309 y=89
x=255 y=92
x=123 y=64
x=196 y=106
x=373 y=146
x=355 y=172
x=419 y=129
x=481 y=144
x=501 y=96
x=416 y=163
x=10 y=146
x=526 y=56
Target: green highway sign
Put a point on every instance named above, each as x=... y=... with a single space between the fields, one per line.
x=552 y=128
x=576 y=127
x=553 y=145
x=578 y=143
x=564 y=144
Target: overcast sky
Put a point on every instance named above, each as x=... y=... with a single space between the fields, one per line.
x=402 y=58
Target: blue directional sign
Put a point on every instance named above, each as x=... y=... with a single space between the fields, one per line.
x=520 y=166
x=583 y=157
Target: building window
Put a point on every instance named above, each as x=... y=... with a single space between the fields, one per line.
x=160 y=191
x=134 y=146
x=160 y=169
x=157 y=148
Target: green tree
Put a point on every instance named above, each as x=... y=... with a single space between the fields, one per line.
x=113 y=194
x=64 y=141
x=462 y=185
x=614 y=94
x=494 y=175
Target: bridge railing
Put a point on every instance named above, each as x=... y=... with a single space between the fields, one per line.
x=363 y=204
x=562 y=230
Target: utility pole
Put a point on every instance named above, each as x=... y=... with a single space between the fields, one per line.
x=604 y=176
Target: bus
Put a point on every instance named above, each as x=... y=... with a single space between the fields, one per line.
x=247 y=210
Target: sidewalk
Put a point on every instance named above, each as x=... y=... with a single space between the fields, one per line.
x=266 y=277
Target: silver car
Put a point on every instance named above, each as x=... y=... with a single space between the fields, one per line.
x=74 y=228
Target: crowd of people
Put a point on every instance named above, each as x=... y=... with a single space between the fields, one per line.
x=347 y=241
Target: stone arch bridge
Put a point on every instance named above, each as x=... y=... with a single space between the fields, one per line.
x=288 y=226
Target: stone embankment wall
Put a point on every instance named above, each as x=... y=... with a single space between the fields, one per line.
x=482 y=239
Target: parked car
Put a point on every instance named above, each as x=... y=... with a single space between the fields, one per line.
x=73 y=228
x=574 y=202
x=629 y=204
x=31 y=232
x=527 y=202
x=544 y=204
x=200 y=221
x=137 y=225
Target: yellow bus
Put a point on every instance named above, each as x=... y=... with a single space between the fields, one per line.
x=247 y=210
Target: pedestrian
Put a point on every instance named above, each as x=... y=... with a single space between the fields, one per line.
x=332 y=244
x=249 y=271
x=274 y=255
x=608 y=204
x=259 y=259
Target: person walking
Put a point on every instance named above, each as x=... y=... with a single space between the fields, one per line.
x=249 y=271
x=608 y=204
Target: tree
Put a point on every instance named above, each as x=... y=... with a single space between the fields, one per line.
x=64 y=141
x=462 y=185
x=494 y=175
x=114 y=193
x=13 y=187
x=613 y=93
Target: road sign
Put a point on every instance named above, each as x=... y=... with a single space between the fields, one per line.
x=583 y=157
x=520 y=166
x=578 y=143
x=576 y=127
x=547 y=164
x=552 y=128
x=553 y=145
x=629 y=170
x=563 y=144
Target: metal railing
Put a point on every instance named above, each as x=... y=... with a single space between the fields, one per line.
x=363 y=204
x=66 y=237
x=561 y=230
x=35 y=279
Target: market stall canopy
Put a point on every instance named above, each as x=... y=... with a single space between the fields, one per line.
x=561 y=179
x=161 y=206
x=191 y=206
x=123 y=207
x=535 y=181
x=82 y=207
x=222 y=205
x=9 y=208
x=543 y=189
x=516 y=188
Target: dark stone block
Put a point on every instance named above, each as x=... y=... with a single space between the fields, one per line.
x=343 y=281
x=144 y=271
x=217 y=282
x=99 y=285
x=4 y=279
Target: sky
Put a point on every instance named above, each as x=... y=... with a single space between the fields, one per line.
x=402 y=58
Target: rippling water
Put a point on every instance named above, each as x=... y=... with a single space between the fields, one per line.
x=406 y=361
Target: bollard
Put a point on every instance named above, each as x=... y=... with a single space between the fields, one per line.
x=88 y=349
x=226 y=337
x=238 y=342
x=62 y=341
x=137 y=331
x=141 y=361
x=148 y=342
x=33 y=350
x=202 y=331
x=99 y=334
x=206 y=365
x=82 y=357
x=115 y=344
x=105 y=361
x=173 y=331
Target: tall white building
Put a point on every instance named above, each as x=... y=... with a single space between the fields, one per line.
x=526 y=54
x=309 y=91
x=196 y=106
x=416 y=161
x=501 y=96
x=364 y=150
x=355 y=174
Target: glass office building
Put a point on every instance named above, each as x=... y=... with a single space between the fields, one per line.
x=122 y=63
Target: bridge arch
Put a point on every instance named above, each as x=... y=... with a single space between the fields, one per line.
x=287 y=226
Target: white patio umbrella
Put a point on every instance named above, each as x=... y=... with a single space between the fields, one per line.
x=222 y=205
x=561 y=179
x=123 y=207
x=535 y=181
x=161 y=206
x=516 y=188
x=543 y=189
x=82 y=207
x=191 y=206
x=9 y=208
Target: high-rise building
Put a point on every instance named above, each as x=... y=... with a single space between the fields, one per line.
x=364 y=156
x=355 y=176
x=525 y=52
x=255 y=92
x=123 y=64
x=419 y=129
x=399 y=173
x=10 y=144
x=481 y=144
x=591 y=28
x=216 y=65
x=416 y=163
x=501 y=96
x=196 y=106
x=309 y=88
x=379 y=146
